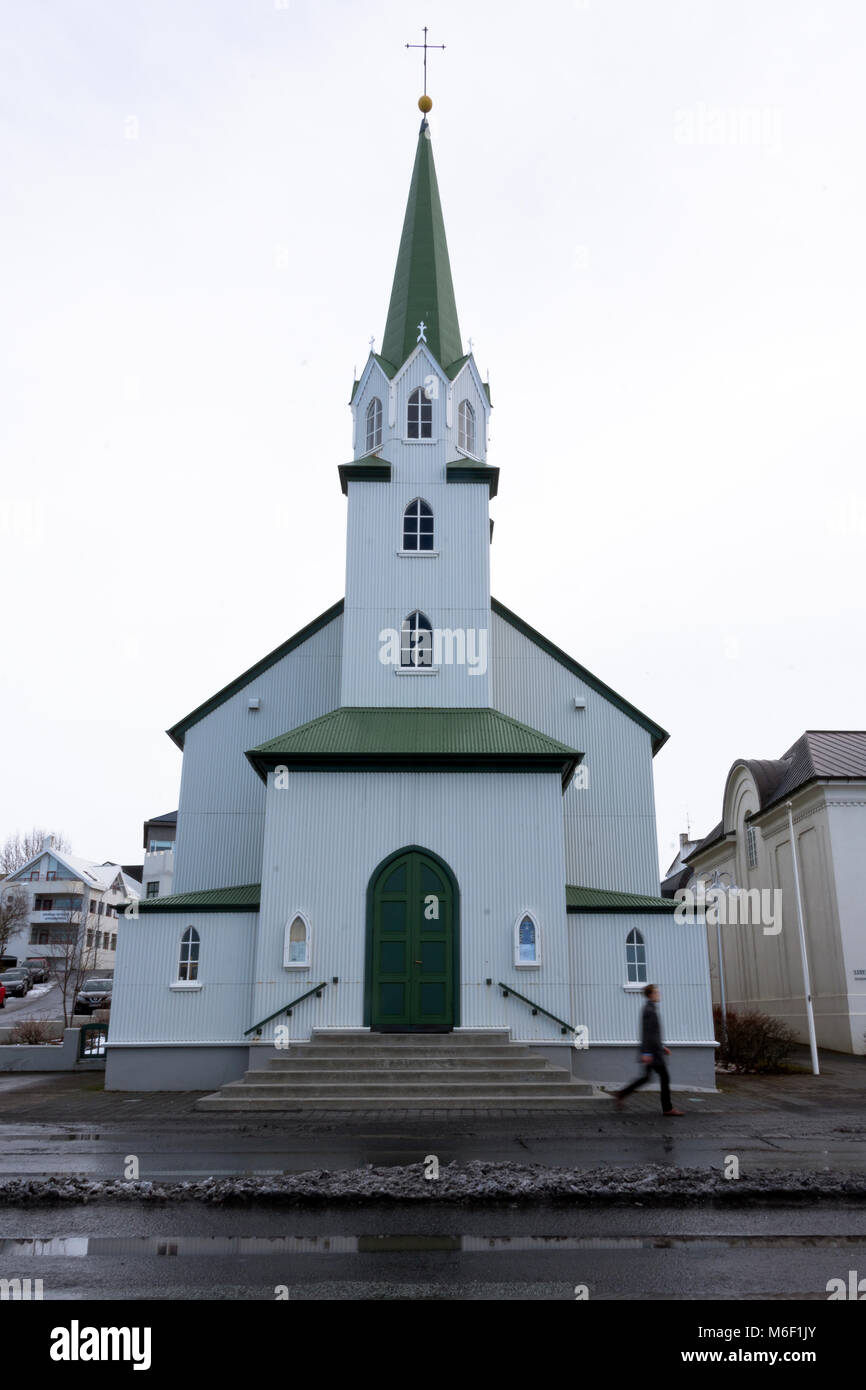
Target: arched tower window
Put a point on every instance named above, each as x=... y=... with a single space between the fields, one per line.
x=419 y=421
x=416 y=641
x=189 y=948
x=635 y=958
x=374 y=424
x=466 y=427
x=296 y=948
x=527 y=941
x=418 y=526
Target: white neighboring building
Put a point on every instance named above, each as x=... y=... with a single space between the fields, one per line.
x=823 y=776
x=68 y=894
x=157 y=873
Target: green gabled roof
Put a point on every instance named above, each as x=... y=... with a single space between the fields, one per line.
x=659 y=735
x=243 y=898
x=178 y=731
x=422 y=288
x=411 y=738
x=607 y=900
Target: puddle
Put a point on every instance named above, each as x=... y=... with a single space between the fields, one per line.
x=80 y=1247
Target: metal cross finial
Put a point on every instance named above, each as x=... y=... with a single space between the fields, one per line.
x=471 y=345
x=372 y=341
x=425 y=45
x=422 y=336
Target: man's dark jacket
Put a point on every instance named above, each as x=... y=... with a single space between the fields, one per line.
x=651 y=1032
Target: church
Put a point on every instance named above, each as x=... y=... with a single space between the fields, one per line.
x=417 y=816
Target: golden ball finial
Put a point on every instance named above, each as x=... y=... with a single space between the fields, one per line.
x=424 y=104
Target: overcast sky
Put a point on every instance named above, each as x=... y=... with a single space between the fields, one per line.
x=657 y=220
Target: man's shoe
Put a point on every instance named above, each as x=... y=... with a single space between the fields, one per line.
x=619 y=1098
x=673 y=1112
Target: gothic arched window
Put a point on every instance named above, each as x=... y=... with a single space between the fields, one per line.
x=374 y=424
x=635 y=958
x=527 y=941
x=189 y=947
x=296 y=949
x=416 y=641
x=466 y=427
x=419 y=421
x=418 y=526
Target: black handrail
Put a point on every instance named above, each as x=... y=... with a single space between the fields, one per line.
x=536 y=1008
x=287 y=1008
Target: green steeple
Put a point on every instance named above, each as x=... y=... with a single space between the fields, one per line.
x=422 y=289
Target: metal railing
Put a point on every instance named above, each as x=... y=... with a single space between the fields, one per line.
x=287 y=1008
x=536 y=1008
x=91 y=1040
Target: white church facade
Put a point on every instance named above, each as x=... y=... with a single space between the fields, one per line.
x=417 y=814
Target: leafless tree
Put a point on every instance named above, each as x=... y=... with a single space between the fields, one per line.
x=14 y=911
x=76 y=959
x=17 y=848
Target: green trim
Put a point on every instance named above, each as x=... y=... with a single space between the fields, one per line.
x=178 y=731
x=287 y=1008
x=368 y=938
x=659 y=735
x=422 y=288
x=536 y=1008
x=608 y=900
x=462 y=471
x=242 y=898
x=369 y=469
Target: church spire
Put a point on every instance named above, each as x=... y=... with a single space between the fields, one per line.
x=422 y=291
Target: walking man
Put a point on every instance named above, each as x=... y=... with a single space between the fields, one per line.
x=652 y=1054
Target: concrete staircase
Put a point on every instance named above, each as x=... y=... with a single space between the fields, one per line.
x=471 y=1070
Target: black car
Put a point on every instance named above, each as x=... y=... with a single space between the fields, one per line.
x=95 y=993
x=39 y=968
x=17 y=982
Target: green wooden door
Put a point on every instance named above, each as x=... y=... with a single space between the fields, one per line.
x=413 y=910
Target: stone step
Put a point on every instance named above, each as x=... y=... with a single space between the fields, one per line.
x=402 y=1081
x=310 y=1052
x=425 y=1086
x=557 y=1100
x=363 y=1036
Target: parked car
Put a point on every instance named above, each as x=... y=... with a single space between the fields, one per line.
x=16 y=982
x=39 y=967
x=94 y=994
x=2 y=996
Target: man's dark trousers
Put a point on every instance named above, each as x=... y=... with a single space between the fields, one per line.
x=656 y=1065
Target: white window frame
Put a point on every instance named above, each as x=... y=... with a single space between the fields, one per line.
x=179 y=982
x=751 y=846
x=466 y=409
x=373 y=438
x=636 y=984
x=424 y=399
x=527 y=964
x=415 y=520
x=289 y=964
x=410 y=665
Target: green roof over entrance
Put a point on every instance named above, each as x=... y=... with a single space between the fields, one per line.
x=422 y=289
x=433 y=739
x=243 y=898
x=608 y=900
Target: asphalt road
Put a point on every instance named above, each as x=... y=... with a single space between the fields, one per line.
x=43 y=1001
x=191 y=1252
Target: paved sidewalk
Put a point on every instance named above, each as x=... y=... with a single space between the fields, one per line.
x=68 y=1124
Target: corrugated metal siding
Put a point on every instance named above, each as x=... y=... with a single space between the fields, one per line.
x=145 y=1009
x=676 y=961
x=221 y=818
x=444 y=412
x=610 y=832
x=499 y=833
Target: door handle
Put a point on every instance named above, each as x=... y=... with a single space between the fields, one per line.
x=419 y=962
